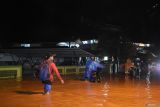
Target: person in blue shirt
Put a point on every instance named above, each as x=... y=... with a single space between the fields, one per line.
x=86 y=72
x=91 y=69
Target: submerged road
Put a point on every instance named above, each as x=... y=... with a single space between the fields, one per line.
x=112 y=92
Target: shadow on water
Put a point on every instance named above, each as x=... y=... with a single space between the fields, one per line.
x=28 y=92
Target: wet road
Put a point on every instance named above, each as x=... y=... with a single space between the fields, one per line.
x=115 y=92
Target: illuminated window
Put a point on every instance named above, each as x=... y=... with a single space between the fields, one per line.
x=105 y=58
x=142 y=44
x=63 y=44
x=26 y=45
x=85 y=42
x=148 y=45
x=92 y=42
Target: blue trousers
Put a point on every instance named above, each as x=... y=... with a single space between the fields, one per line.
x=47 y=88
x=88 y=75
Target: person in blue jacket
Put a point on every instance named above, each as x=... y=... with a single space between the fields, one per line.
x=91 y=69
x=86 y=72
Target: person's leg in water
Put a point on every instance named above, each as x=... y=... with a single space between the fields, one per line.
x=98 y=76
x=148 y=77
x=47 y=88
x=85 y=77
x=92 y=76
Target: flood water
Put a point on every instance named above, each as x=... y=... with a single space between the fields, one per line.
x=111 y=92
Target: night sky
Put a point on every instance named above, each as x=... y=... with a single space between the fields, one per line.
x=55 y=20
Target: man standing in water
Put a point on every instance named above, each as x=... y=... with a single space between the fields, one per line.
x=91 y=70
x=47 y=68
x=86 y=72
x=150 y=68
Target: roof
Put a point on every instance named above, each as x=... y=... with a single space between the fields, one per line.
x=40 y=52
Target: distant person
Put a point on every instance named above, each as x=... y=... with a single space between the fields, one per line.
x=86 y=72
x=47 y=68
x=150 y=68
x=91 y=70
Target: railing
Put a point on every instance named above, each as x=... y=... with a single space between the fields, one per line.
x=11 y=72
x=66 y=70
x=16 y=71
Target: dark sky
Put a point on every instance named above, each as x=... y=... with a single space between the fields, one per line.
x=54 y=20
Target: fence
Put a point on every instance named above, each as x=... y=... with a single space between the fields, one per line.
x=16 y=71
x=66 y=70
x=11 y=72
